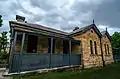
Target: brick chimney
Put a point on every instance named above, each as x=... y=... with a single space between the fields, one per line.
x=20 y=18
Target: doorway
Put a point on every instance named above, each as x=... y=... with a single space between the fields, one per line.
x=65 y=46
x=32 y=44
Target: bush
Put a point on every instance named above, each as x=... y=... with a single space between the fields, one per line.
x=3 y=55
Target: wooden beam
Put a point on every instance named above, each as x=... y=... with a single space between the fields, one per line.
x=21 y=51
x=14 y=43
x=51 y=50
x=42 y=32
x=12 y=50
x=69 y=52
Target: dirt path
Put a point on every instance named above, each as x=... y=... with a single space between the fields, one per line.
x=2 y=77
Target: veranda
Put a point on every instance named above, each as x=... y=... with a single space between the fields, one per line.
x=32 y=50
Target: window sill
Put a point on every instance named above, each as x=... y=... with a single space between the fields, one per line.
x=108 y=55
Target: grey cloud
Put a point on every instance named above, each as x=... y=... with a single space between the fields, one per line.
x=48 y=18
x=3 y=0
x=108 y=13
x=63 y=16
x=15 y=6
x=43 y=4
x=81 y=9
x=38 y=17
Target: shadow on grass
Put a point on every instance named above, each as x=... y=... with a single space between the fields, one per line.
x=109 y=72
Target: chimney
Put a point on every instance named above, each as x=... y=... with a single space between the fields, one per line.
x=76 y=28
x=20 y=18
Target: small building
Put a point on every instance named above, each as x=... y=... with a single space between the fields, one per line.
x=90 y=41
x=36 y=46
x=107 y=48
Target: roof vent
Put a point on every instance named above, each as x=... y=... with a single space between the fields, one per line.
x=76 y=28
x=25 y=21
x=20 y=18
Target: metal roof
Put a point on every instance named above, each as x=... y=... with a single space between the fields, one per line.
x=41 y=27
x=86 y=28
x=106 y=33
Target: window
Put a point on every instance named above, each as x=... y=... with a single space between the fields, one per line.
x=92 y=31
x=105 y=49
x=95 y=47
x=91 y=47
x=108 y=49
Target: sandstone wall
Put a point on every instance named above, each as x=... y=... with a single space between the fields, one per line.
x=42 y=45
x=107 y=57
x=58 y=46
x=88 y=59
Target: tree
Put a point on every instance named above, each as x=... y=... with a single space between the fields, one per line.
x=116 y=40
x=0 y=26
x=0 y=44
x=4 y=41
x=1 y=21
x=116 y=43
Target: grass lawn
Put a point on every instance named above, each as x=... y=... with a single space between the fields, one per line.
x=109 y=72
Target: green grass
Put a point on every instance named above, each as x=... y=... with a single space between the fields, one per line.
x=109 y=72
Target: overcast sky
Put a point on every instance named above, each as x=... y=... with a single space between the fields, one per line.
x=64 y=14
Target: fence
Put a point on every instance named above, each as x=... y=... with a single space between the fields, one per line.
x=116 y=54
x=43 y=61
x=116 y=58
x=116 y=51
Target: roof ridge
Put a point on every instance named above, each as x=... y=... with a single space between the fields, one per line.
x=47 y=27
x=38 y=26
x=81 y=28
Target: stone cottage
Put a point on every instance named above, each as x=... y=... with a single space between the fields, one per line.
x=106 y=47
x=92 y=44
x=49 y=47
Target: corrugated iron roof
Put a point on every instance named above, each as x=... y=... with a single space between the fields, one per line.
x=81 y=30
x=106 y=33
x=86 y=28
x=40 y=27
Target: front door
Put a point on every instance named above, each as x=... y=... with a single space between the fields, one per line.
x=32 y=44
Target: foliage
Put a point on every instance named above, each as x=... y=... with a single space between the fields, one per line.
x=108 y=72
x=1 y=21
x=116 y=42
x=3 y=40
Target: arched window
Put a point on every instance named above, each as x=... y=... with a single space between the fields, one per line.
x=105 y=49
x=95 y=47
x=91 y=47
x=108 y=49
